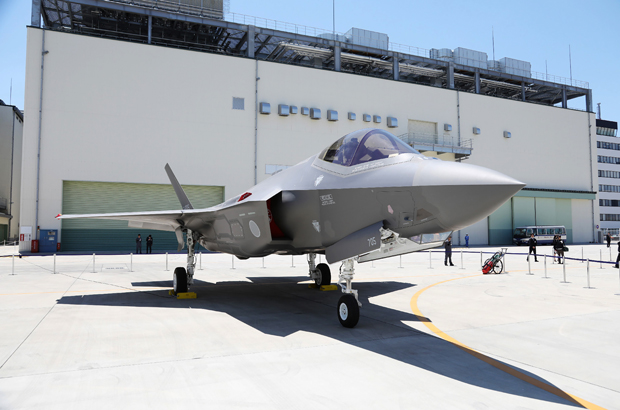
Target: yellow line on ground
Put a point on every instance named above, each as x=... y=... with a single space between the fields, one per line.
x=495 y=363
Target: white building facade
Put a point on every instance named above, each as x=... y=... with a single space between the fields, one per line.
x=608 y=158
x=113 y=113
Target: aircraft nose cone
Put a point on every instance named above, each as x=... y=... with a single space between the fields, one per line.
x=463 y=194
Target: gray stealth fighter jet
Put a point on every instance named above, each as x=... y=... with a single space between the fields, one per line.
x=365 y=197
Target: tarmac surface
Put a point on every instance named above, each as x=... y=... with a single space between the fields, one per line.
x=428 y=338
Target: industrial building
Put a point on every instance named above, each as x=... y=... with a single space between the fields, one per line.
x=11 y=132
x=117 y=89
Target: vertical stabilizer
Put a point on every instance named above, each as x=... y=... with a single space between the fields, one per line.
x=177 y=188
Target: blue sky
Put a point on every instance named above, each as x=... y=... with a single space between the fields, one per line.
x=536 y=31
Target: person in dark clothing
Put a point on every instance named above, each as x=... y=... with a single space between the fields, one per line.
x=608 y=237
x=532 y=242
x=139 y=244
x=448 y=245
x=559 y=248
x=149 y=244
x=618 y=258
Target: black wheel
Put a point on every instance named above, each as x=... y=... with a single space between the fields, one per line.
x=348 y=311
x=498 y=267
x=325 y=275
x=179 y=280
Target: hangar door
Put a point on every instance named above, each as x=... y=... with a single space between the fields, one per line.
x=104 y=197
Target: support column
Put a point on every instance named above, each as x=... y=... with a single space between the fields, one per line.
x=150 y=28
x=589 y=101
x=336 y=56
x=35 y=17
x=396 y=67
x=251 y=42
x=477 y=81
x=522 y=91
x=450 y=75
x=564 y=100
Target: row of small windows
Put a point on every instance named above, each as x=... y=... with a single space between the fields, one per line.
x=610 y=132
x=607 y=145
x=608 y=160
x=604 y=173
x=609 y=202
x=610 y=217
x=609 y=188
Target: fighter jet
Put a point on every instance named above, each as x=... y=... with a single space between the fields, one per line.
x=367 y=196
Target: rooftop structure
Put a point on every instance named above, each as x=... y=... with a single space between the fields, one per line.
x=204 y=25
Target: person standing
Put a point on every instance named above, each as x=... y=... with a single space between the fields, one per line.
x=559 y=248
x=448 y=245
x=139 y=244
x=532 y=242
x=608 y=237
x=618 y=257
x=149 y=244
x=467 y=240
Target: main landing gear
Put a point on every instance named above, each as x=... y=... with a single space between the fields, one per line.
x=182 y=279
x=320 y=274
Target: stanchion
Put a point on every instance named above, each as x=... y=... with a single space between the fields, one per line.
x=13 y=264
x=462 y=259
x=200 y=261
x=263 y=267
x=601 y=258
x=582 y=254
x=400 y=263
x=372 y=264
x=618 y=294
x=588 y=273
x=504 y=262
x=93 y=263
x=430 y=260
x=54 y=271
x=292 y=261
x=609 y=254
x=546 y=277
x=233 y=261
x=480 y=258
x=131 y=262
x=529 y=266
x=166 y=260
x=563 y=268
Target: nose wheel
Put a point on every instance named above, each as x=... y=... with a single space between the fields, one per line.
x=348 y=311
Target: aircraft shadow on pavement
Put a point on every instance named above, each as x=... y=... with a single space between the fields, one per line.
x=281 y=306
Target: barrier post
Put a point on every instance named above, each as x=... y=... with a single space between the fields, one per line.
x=93 y=263
x=529 y=266
x=200 y=259
x=54 y=271
x=166 y=260
x=588 y=273
x=13 y=264
x=131 y=262
x=601 y=258
x=462 y=259
x=504 y=262
x=480 y=258
x=546 y=266
x=563 y=269
x=400 y=263
x=263 y=267
x=430 y=260
x=233 y=261
x=582 y=254
x=292 y=261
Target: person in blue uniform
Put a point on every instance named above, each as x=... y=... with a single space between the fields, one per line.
x=467 y=240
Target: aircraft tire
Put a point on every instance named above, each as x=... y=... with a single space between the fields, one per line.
x=325 y=275
x=348 y=311
x=179 y=280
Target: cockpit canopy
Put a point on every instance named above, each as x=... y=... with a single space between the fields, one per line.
x=365 y=145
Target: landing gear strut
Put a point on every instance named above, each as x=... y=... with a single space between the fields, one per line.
x=321 y=274
x=182 y=279
x=348 y=305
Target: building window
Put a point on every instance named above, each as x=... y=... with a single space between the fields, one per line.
x=610 y=217
x=609 y=188
x=608 y=160
x=605 y=173
x=607 y=145
x=609 y=132
x=238 y=103
x=609 y=202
